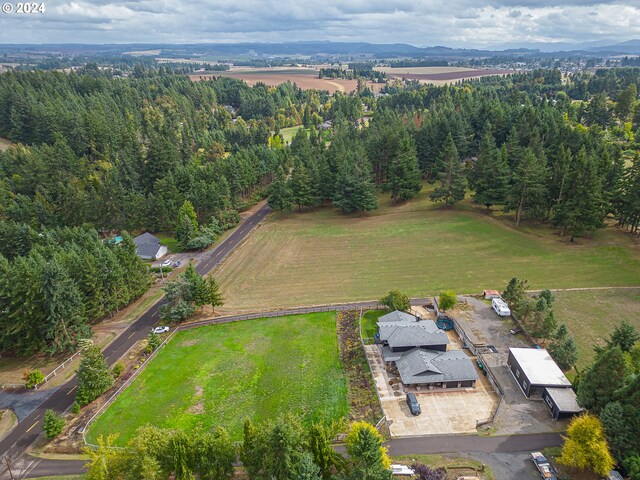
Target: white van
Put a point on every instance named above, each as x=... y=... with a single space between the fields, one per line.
x=500 y=307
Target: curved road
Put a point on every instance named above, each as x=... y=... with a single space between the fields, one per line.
x=30 y=427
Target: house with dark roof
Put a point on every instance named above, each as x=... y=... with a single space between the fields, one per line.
x=418 y=350
x=149 y=247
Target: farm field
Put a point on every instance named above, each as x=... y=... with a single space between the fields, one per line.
x=438 y=75
x=305 y=78
x=322 y=257
x=591 y=316
x=219 y=375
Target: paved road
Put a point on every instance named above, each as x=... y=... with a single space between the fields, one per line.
x=457 y=444
x=30 y=427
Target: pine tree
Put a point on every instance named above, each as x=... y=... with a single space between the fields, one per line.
x=528 y=189
x=300 y=186
x=94 y=377
x=598 y=385
x=354 y=189
x=491 y=173
x=404 y=177
x=453 y=183
x=214 y=296
x=581 y=211
x=186 y=227
x=279 y=192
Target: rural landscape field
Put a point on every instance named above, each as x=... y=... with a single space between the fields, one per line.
x=305 y=78
x=321 y=256
x=439 y=75
x=221 y=374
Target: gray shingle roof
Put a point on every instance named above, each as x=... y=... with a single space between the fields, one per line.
x=399 y=329
x=148 y=245
x=419 y=366
x=397 y=316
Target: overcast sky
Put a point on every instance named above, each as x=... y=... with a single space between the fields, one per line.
x=458 y=23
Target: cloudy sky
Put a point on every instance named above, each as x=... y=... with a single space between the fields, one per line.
x=460 y=23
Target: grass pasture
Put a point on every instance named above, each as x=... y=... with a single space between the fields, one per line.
x=321 y=256
x=439 y=75
x=591 y=316
x=221 y=374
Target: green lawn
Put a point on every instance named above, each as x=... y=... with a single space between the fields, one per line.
x=321 y=256
x=218 y=375
x=370 y=322
x=170 y=242
x=592 y=315
x=289 y=133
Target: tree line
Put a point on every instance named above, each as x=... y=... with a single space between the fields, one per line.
x=55 y=282
x=283 y=448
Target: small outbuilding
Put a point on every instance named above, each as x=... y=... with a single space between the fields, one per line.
x=562 y=402
x=149 y=247
x=534 y=370
x=491 y=294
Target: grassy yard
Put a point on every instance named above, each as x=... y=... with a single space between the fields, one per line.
x=221 y=374
x=370 y=322
x=289 y=132
x=170 y=242
x=320 y=256
x=592 y=315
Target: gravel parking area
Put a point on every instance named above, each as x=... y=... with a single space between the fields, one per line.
x=516 y=414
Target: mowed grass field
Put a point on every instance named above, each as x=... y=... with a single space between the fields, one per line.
x=322 y=257
x=221 y=374
x=591 y=316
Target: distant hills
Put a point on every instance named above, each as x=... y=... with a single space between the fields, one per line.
x=333 y=49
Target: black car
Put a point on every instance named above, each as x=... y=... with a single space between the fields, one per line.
x=414 y=406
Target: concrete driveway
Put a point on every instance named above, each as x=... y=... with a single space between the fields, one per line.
x=443 y=412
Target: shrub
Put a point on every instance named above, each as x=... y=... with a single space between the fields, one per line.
x=75 y=408
x=33 y=378
x=447 y=300
x=153 y=342
x=53 y=424
x=117 y=369
x=396 y=300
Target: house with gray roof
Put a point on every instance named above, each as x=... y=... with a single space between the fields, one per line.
x=149 y=247
x=418 y=349
x=453 y=369
x=400 y=332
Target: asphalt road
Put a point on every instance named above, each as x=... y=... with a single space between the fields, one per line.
x=25 y=433
x=492 y=450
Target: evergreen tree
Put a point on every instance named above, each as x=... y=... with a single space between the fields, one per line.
x=214 y=296
x=94 y=377
x=491 y=174
x=404 y=178
x=186 y=227
x=354 y=190
x=624 y=336
x=453 y=183
x=598 y=385
x=300 y=186
x=581 y=211
x=626 y=102
x=528 y=188
x=279 y=192
x=563 y=348
x=368 y=458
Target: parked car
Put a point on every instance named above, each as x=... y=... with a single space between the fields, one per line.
x=414 y=406
x=500 y=307
x=176 y=264
x=163 y=329
x=544 y=467
x=402 y=470
x=166 y=263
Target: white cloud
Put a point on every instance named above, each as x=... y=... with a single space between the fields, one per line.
x=464 y=23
